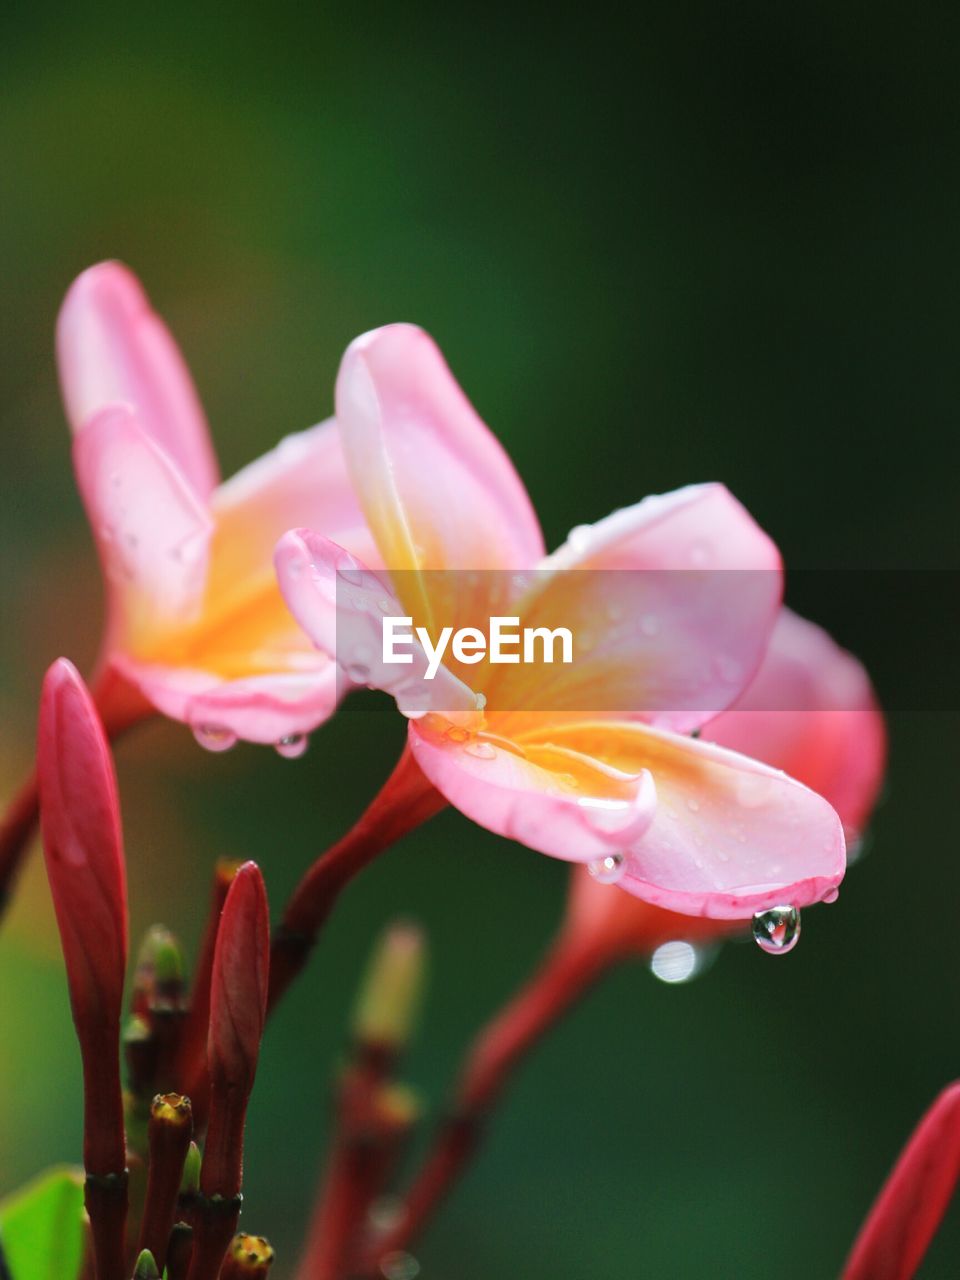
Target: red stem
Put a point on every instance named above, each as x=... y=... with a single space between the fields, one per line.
x=566 y=972
x=405 y=801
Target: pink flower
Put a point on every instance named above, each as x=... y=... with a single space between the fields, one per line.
x=699 y=828
x=905 y=1216
x=811 y=711
x=194 y=618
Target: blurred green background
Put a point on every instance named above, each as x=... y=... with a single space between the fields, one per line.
x=661 y=245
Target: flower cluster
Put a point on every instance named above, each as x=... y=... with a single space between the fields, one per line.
x=705 y=768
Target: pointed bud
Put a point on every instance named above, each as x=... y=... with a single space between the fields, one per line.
x=159 y=975
x=80 y=819
x=238 y=987
x=392 y=989
x=248 y=1258
x=146 y=1268
x=83 y=847
x=907 y=1212
x=190 y=1181
x=179 y=1250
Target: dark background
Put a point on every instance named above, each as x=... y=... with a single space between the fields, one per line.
x=691 y=242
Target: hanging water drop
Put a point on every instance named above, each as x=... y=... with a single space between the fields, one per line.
x=777 y=931
x=579 y=538
x=214 y=737
x=481 y=750
x=292 y=745
x=609 y=869
x=830 y=896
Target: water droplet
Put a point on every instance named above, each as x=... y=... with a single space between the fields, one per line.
x=699 y=554
x=214 y=737
x=399 y=1266
x=413 y=702
x=385 y=1213
x=292 y=745
x=777 y=931
x=358 y=672
x=349 y=573
x=830 y=896
x=481 y=750
x=650 y=624
x=579 y=538
x=675 y=962
x=693 y=804
x=608 y=870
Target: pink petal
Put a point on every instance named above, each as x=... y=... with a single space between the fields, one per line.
x=437 y=488
x=730 y=836
x=905 y=1216
x=812 y=712
x=341 y=604
x=301 y=482
x=151 y=532
x=111 y=347
x=618 y=924
x=670 y=603
x=533 y=799
x=261 y=708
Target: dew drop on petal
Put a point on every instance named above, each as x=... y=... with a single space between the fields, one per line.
x=609 y=869
x=349 y=573
x=777 y=930
x=413 y=702
x=831 y=896
x=214 y=737
x=358 y=672
x=481 y=750
x=650 y=624
x=292 y=745
x=579 y=538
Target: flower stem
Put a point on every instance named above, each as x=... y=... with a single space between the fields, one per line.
x=566 y=972
x=405 y=801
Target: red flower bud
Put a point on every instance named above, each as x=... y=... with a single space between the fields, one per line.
x=908 y=1210
x=238 y=987
x=83 y=846
x=80 y=818
x=238 y=1010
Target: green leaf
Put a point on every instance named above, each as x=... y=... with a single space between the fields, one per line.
x=42 y=1229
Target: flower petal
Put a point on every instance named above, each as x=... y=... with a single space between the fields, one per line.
x=670 y=604
x=557 y=802
x=730 y=836
x=341 y=604
x=151 y=532
x=261 y=708
x=812 y=712
x=112 y=347
x=303 y=481
x=437 y=488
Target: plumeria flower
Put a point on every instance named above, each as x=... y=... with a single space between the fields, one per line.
x=195 y=622
x=810 y=711
x=696 y=828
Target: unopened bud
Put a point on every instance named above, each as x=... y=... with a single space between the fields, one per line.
x=392 y=989
x=190 y=1181
x=146 y=1268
